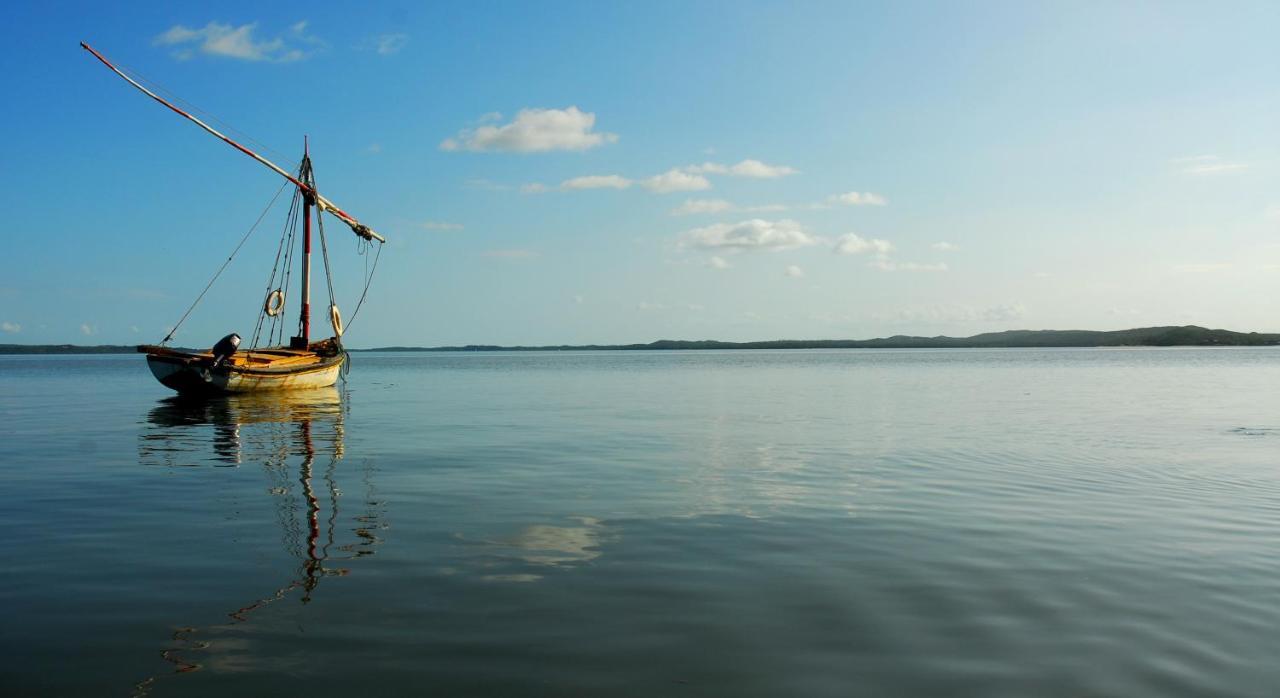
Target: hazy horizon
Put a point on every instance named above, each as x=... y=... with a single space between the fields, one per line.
x=580 y=173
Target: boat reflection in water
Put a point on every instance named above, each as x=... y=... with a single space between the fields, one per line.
x=295 y=436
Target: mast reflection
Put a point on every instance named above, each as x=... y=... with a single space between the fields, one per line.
x=278 y=431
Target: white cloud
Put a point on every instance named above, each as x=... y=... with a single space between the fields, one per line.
x=88 y=330
x=1000 y=313
x=488 y=185
x=228 y=41
x=959 y=314
x=1201 y=268
x=387 y=44
x=533 y=188
x=441 y=225
x=717 y=263
x=10 y=327
x=534 y=131
x=851 y=243
x=755 y=168
x=944 y=246
x=692 y=206
x=707 y=168
x=675 y=180
x=374 y=148
x=855 y=198
x=795 y=272
x=1207 y=165
x=511 y=254
x=596 y=182
x=754 y=234
x=577 y=300
x=885 y=264
x=746 y=168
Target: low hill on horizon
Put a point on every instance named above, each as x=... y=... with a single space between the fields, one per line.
x=1169 y=336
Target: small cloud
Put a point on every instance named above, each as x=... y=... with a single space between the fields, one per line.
x=577 y=300
x=855 y=198
x=645 y=305
x=88 y=330
x=10 y=327
x=851 y=243
x=707 y=168
x=1002 y=313
x=1206 y=165
x=755 y=168
x=534 y=131
x=441 y=225
x=134 y=329
x=596 y=182
x=387 y=44
x=533 y=188
x=886 y=264
x=746 y=168
x=227 y=41
x=511 y=254
x=717 y=263
x=488 y=185
x=694 y=206
x=1201 y=268
x=944 y=246
x=675 y=180
x=754 y=234
x=695 y=307
x=795 y=272
x=374 y=148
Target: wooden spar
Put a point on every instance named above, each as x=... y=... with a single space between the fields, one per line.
x=321 y=203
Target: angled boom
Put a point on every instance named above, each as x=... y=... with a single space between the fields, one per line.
x=322 y=203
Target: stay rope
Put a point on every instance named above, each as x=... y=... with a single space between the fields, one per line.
x=222 y=268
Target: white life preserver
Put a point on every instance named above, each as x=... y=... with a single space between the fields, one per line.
x=335 y=318
x=275 y=303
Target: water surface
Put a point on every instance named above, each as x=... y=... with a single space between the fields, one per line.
x=817 y=523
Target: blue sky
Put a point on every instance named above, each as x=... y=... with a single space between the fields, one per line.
x=597 y=172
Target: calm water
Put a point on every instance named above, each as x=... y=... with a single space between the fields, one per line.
x=827 y=523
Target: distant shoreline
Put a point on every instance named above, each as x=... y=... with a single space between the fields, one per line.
x=1172 y=336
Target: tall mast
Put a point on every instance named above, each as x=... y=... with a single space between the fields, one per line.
x=320 y=202
x=308 y=199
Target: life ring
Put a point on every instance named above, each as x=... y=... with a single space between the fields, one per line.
x=335 y=317
x=275 y=303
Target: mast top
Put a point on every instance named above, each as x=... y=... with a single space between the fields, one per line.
x=321 y=202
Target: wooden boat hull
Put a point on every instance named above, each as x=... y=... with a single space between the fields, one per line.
x=195 y=373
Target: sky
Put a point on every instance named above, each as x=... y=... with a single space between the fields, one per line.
x=567 y=172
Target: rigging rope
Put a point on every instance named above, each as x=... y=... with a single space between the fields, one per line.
x=368 y=279
x=324 y=251
x=157 y=87
x=290 y=224
x=218 y=273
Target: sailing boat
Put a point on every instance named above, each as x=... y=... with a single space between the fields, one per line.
x=302 y=363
